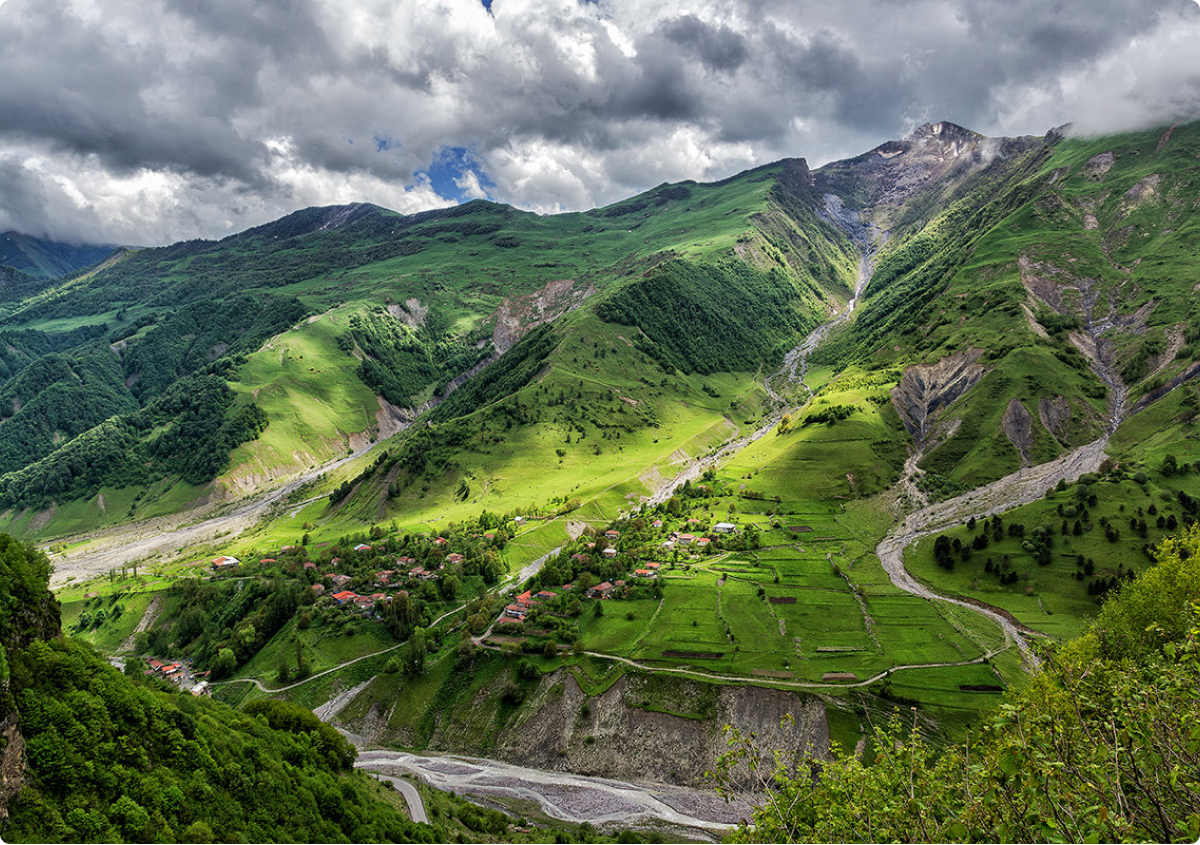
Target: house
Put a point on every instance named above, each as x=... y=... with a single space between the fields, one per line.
x=489 y=535
x=644 y=573
x=224 y=562
x=318 y=588
x=601 y=591
x=364 y=602
x=340 y=580
x=610 y=553
x=653 y=566
x=693 y=521
x=668 y=544
x=267 y=560
x=454 y=557
x=440 y=541
x=516 y=611
x=518 y=520
x=384 y=576
x=579 y=556
x=525 y=599
x=285 y=549
x=335 y=561
x=703 y=541
x=546 y=595
x=156 y=665
x=724 y=528
x=658 y=523
x=686 y=539
x=344 y=596
x=308 y=564
x=362 y=547
x=612 y=535
x=568 y=587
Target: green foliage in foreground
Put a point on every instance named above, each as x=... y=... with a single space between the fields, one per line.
x=117 y=759
x=112 y=761
x=1102 y=746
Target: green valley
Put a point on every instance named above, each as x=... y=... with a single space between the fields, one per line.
x=575 y=491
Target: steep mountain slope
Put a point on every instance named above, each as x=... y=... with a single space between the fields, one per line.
x=1043 y=306
x=404 y=309
x=47 y=260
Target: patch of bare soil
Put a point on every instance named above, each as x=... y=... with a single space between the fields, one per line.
x=1055 y=414
x=148 y=618
x=1099 y=165
x=518 y=314
x=1017 y=425
x=926 y=390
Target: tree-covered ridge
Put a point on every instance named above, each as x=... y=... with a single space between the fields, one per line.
x=112 y=759
x=187 y=432
x=1103 y=745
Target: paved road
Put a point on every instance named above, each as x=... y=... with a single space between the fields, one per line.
x=416 y=807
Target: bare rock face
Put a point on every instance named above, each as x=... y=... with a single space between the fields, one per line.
x=632 y=731
x=617 y=740
x=412 y=313
x=926 y=390
x=1099 y=165
x=1017 y=424
x=1055 y=414
x=518 y=314
x=12 y=762
x=935 y=154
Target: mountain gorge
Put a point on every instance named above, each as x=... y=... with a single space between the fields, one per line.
x=835 y=441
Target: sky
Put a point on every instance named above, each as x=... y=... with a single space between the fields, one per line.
x=145 y=122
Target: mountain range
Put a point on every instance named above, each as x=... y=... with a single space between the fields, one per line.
x=903 y=420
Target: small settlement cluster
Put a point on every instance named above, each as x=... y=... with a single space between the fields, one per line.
x=367 y=577
x=625 y=567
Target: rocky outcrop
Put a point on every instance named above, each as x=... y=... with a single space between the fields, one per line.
x=12 y=762
x=642 y=728
x=1017 y=424
x=412 y=313
x=1055 y=415
x=518 y=314
x=926 y=390
x=617 y=740
x=936 y=156
x=1098 y=166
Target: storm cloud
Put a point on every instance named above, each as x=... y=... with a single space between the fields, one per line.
x=149 y=121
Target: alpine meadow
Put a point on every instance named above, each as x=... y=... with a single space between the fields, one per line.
x=846 y=503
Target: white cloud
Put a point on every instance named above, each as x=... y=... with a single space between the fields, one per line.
x=176 y=120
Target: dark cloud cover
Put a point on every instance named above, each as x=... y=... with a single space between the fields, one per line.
x=148 y=121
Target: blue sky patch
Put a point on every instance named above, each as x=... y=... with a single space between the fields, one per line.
x=449 y=166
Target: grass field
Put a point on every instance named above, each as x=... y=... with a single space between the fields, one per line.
x=1051 y=598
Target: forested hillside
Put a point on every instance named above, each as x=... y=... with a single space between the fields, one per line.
x=92 y=755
